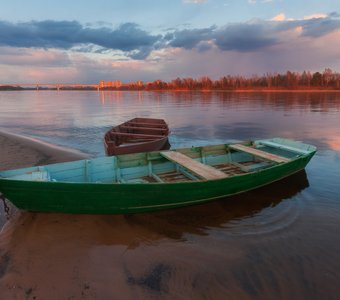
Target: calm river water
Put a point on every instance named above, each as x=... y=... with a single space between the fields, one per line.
x=278 y=242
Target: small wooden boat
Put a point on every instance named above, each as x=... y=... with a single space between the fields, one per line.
x=137 y=135
x=157 y=180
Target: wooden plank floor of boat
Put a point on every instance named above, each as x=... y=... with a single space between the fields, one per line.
x=204 y=171
x=259 y=153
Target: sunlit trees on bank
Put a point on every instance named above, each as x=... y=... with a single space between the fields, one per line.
x=328 y=79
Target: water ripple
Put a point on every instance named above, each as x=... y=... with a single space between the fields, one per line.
x=266 y=222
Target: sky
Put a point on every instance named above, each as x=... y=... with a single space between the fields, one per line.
x=81 y=41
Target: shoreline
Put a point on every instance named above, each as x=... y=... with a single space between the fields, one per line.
x=185 y=90
x=19 y=151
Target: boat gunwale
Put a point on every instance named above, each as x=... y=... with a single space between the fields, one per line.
x=142 y=184
x=138 y=197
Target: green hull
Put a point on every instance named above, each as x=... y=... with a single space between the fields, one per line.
x=105 y=198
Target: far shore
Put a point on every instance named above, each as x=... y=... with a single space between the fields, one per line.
x=262 y=90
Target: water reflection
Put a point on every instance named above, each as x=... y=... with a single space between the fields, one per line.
x=323 y=102
x=226 y=213
x=153 y=254
x=176 y=223
x=73 y=118
x=306 y=101
x=110 y=96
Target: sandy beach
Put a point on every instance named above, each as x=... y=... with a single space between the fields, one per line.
x=20 y=244
x=19 y=152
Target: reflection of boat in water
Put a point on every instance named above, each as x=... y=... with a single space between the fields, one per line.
x=135 y=229
x=154 y=180
x=137 y=135
x=197 y=219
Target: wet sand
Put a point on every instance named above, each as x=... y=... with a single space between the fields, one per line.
x=19 y=152
x=234 y=249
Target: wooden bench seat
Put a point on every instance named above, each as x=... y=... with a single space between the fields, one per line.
x=259 y=153
x=197 y=168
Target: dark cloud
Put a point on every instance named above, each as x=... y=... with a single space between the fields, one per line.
x=334 y=14
x=319 y=27
x=204 y=46
x=138 y=44
x=239 y=37
x=127 y=37
x=313 y=27
x=141 y=53
x=188 y=39
x=43 y=34
x=250 y=36
x=245 y=37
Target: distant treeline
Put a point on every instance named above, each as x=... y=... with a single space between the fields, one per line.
x=326 y=80
x=290 y=81
x=10 y=88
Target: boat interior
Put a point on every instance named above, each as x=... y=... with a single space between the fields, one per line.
x=137 y=130
x=183 y=165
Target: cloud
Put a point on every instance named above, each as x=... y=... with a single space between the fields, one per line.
x=279 y=17
x=282 y=17
x=194 y=1
x=254 y=35
x=296 y=54
x=130 y=41
x=318 y=27
x=315 y=16
x=127 y=37
x=241 y=37
x=311 y=26
x=262 y=1
x=189 y=38
x=245 y=37
x=37 y=57
x=68 y=51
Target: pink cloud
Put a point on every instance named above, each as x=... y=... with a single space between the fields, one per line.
x=32 y=56
x=293 y=51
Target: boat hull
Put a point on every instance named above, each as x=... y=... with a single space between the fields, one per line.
x=159 y=144
x=137 y=135
x=92 y=198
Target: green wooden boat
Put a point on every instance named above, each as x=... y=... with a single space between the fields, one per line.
x=149 y=181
